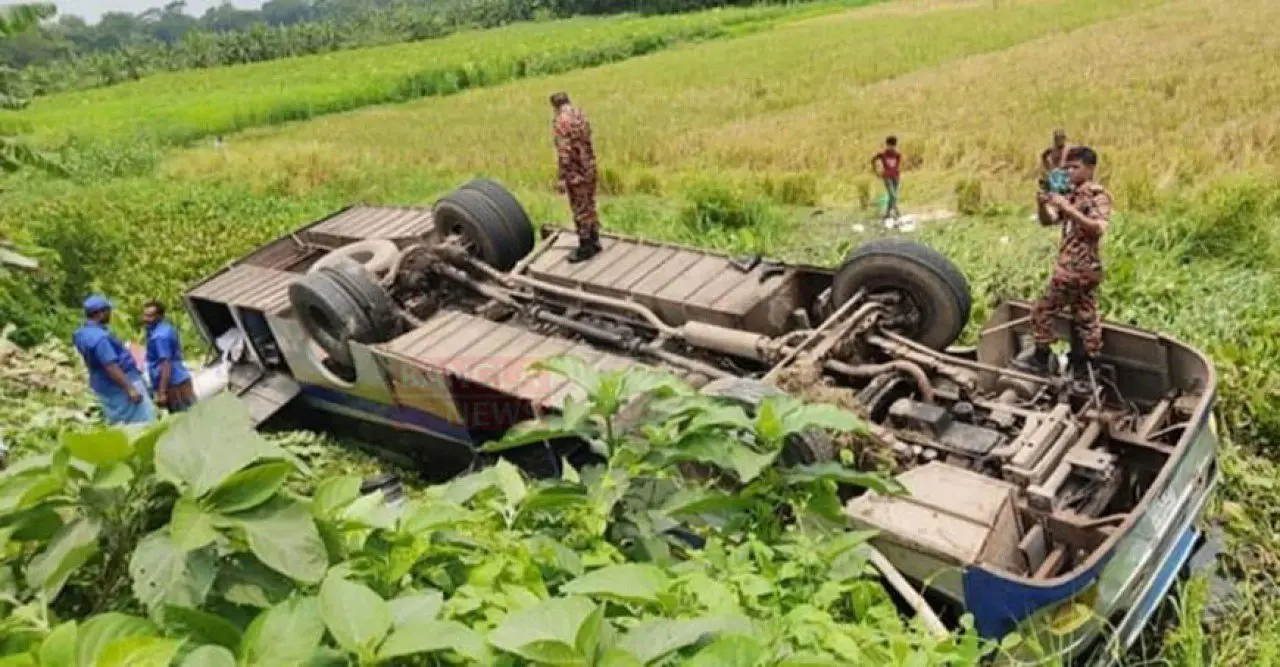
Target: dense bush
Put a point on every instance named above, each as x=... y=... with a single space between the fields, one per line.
x=713 y=205
x=141 y=548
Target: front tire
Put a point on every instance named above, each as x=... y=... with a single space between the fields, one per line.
x=934 y=290
x=371 y=297
x=329 y=315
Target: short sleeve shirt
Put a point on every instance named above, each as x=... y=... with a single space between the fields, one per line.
x=1078 y=253
x=163 y=345
x=891 y=159
x=99 y=349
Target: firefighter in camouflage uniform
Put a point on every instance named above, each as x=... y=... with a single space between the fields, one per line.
x=1083 y=214
x=577 y=165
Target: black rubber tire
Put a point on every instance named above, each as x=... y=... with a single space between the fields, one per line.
x=329 y=315
x=481 y=222
x=937 y=287
x=513 y=214
x=369 y=295
x=805 y=448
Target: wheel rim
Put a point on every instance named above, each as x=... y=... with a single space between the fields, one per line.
x=907 y=313
x=323 y=323
x=463 y=237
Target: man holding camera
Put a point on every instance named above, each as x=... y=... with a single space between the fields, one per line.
x=1084 y=214
x=1053 y=174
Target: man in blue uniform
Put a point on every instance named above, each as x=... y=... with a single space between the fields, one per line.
x=113 y=374
x=170 y=379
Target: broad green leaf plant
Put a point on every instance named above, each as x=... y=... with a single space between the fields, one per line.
x=186 y=544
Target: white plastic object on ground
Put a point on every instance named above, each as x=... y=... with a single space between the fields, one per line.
x=906 y=223
x=213 y=379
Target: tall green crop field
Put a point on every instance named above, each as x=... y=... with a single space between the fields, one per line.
x=180 y=106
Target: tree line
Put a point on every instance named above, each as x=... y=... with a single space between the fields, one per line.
x=68 y=53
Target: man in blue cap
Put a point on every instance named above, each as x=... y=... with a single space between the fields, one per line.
x=113 y=373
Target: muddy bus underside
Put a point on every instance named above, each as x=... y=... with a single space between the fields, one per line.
x=1034 y=478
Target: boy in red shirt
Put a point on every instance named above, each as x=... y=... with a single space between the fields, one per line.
x=890 y=160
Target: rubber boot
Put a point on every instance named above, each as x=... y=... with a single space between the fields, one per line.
x=587 y=248
x=1079 y=361
x=1037 y=362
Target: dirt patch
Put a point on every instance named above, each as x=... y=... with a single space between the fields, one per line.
x=807 y=383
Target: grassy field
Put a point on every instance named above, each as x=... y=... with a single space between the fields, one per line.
x=667 y=119
x=1179 y=97
x=224 y=100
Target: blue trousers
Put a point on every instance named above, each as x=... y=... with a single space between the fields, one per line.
x=891 y=188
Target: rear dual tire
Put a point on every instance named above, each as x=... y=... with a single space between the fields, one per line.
x=489 y=219
x=342 y=303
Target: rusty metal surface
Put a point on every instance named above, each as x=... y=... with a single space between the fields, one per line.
x=678 y=283
x=618 y=268
x=497 y=356
x=514 y=374
x=377 y=222
x=654 y=261
x=249 y=286
x=282 y=254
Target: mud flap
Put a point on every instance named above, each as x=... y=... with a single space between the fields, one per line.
x=265 y=393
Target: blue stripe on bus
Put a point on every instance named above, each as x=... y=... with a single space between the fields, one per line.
x=998 y=604
x=397 y=414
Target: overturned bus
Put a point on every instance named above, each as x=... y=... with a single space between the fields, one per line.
x=1030 y=498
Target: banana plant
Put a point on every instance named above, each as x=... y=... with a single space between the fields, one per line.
x=14 y=154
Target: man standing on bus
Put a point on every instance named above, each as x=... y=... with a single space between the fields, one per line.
x=1084 y=214
x=576 y=161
